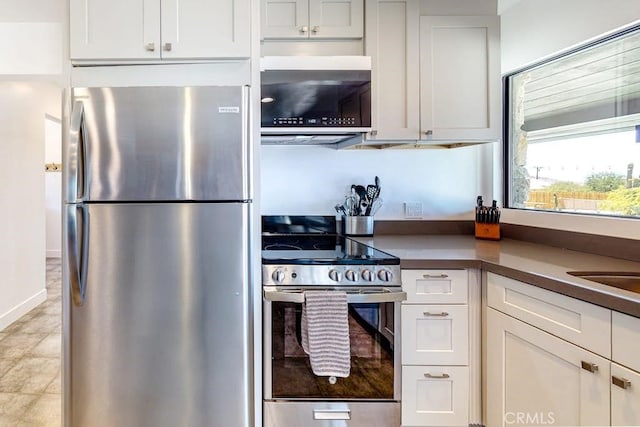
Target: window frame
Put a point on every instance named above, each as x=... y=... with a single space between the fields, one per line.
x=506 y=120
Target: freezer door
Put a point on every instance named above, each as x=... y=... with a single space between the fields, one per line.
x=160 y=336
x=159 y=144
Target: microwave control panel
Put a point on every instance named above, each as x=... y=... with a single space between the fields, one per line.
x=314 y=121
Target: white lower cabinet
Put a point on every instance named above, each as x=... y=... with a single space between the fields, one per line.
x=554 y=360
x=439 y=364
x=625 y=380
x=535 y=378
x=435 y=396
x=625 y=396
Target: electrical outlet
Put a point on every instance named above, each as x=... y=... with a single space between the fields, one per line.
x=413 y=209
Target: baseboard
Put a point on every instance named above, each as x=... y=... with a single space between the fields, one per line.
x=21 y=309
x=53 y=253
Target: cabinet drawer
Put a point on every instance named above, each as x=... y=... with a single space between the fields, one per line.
x=579 y=322
x=625 y=396
x=435 y=334
x=435 y=286
x=435 y=396
x=625 y=340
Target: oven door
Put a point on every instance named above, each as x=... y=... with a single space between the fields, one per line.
x=370 y=396
x=374 y=320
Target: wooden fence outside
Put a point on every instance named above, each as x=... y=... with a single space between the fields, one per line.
x=578 y=200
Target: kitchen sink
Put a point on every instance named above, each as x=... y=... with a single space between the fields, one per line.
x=629 y=281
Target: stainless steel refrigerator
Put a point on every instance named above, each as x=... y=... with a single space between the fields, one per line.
x=156 y=318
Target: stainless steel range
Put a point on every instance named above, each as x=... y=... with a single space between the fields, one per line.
x=306 y=253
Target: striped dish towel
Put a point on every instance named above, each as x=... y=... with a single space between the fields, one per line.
x=325 y=333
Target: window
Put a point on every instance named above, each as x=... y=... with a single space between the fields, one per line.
x=573 y=131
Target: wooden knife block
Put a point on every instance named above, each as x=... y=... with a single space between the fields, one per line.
x=487 y=231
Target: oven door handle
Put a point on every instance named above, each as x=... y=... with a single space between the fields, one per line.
x=360 y=296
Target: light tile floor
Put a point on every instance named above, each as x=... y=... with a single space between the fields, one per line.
x=30 y=348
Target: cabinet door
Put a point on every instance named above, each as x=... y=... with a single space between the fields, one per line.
x=114 y=29
x=625 y=340
x=534 y=378
x=435 y=334
x=625 y=396
x=206 y=29
x=336 y=18
x=435 y=396
x=460 y=77
x=285 y=19
x=392 y=44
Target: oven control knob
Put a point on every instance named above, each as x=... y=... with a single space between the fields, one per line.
x=368 y=276
x=351 y=275
x=278 y=276
x=385 y=275
x=334 y=275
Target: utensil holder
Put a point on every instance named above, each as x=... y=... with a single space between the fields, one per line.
x=488 y=231
x=357 y=225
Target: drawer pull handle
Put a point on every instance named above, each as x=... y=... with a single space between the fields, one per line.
x=591 y=367
x=443 y=314
x=435 y=276
x=321 y=414
x=621 y=382
x=428 y=375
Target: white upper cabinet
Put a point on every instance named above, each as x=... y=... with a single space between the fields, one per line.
x=115 y=29
x=434 y=78
x=285 y=19
x=134 y=30
x=317 y=19
x=392 y=44
x=460 y=78
x=206 y=28
x=336 y=18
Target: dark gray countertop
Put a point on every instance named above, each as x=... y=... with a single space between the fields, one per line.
x=539 y=265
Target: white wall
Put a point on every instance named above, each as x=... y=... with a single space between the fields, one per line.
x=312 y=180
x=31 y=48
x=23 y=106
x=53 y=187
x=534 y=29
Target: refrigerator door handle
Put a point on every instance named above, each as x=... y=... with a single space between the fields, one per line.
x=76 y=155
x=76 y=254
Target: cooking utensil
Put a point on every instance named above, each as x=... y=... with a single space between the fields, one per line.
x=361 y=191
x=375 y=206
x=377 y=182
x=340 y=209
x=372 y=190
x=351 y=204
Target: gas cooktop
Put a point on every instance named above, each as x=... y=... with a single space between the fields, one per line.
x=307 y=250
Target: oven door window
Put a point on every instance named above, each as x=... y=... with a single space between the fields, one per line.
x=371 y=341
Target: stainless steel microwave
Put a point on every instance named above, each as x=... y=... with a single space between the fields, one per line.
x=313 y=95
